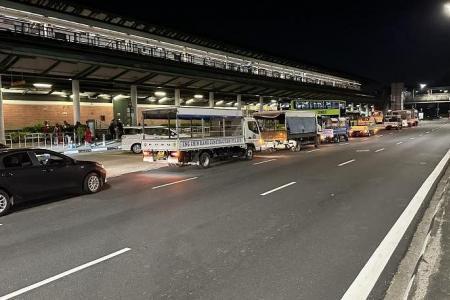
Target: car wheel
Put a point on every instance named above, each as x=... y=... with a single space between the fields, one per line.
x=136 y=148
x=5 y=203
x=204 y=160
x=93 y=183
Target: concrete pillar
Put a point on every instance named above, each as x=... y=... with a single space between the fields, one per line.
x=177 y=98
x=211 y=100
x=134 y=98
x=239 y=102
x=76 y=101
x=2 y=119
x=261 y=103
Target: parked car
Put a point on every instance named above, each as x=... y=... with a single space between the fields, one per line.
x=31 y=174
x=132 y=137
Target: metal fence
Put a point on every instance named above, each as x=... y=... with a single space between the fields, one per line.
x=48 y=31
x=49 y=140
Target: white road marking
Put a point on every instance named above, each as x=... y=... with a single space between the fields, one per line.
x=63 y=274
x=368 y=276
x=391 y=133
x=380 y=135
x=347 y=162
x=314 y=150
x=411 y=138
x=343 y=144
x=364 y=139
x=427 y=132
x=172 y=183
x=399 y=143
x=276 y=189
x=263 y=162
x=363 y=150
x=379 y=150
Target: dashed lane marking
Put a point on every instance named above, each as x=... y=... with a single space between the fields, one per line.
x=347 y=162
x=172 y=183
x=379 y=150
x=276 y=189
x=63 y=274
x=263 y=162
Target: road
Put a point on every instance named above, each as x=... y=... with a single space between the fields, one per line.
x=283 y=226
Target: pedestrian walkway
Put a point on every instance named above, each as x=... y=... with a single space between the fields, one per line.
x=432 y=280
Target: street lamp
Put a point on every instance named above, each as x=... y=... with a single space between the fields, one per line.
x=423 y=85
x=447 y=8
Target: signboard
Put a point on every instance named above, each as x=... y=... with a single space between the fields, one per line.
x=210 y=143
x=328 y=112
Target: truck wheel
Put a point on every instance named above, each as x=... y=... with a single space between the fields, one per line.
x=136 y=148
x=297 y=147
x=346 y=138
x=249 y=153
x=204 y=160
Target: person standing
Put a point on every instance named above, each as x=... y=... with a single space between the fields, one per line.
x=88 y=135
x=111 y=129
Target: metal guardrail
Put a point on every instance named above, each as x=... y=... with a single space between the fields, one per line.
x=47 y=31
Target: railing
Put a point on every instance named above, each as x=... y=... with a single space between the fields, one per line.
x=48 y=31
x=49 y=140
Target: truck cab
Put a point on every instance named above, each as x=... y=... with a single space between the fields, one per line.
x=252 y=133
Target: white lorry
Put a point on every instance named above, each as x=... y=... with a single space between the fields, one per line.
x=202 y=135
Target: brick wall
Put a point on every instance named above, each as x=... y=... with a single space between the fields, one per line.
x=19 y=114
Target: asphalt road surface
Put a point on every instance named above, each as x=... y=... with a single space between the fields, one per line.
x=283 y=226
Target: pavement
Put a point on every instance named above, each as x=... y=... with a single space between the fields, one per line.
x=283 y=226
x=118 y=162
x=432 y=279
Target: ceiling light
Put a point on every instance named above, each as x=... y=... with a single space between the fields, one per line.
x=160 y=93
x=42 y=85
x=198 y=96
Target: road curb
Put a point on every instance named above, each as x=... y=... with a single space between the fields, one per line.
x=403 y=280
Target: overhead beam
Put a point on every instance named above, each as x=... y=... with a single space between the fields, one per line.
x=118 y=75
x=145 y=78
x=52 y=66
x=8 y=62
x=86 y=72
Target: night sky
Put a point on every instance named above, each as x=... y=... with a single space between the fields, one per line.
x=383 y=40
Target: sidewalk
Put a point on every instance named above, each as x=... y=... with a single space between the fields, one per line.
x=432 y=280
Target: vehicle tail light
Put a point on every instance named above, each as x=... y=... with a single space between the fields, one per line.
x=175 y=154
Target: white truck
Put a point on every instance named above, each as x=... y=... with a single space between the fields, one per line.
x=202 y=135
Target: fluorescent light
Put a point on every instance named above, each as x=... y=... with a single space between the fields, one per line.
x=219 y=102
x=62 y=94
x=42 y=85
x=104 y=96
x=190 y=101
x=160 y=93
x=120 y=97
x=422 y=85
x=198 y=96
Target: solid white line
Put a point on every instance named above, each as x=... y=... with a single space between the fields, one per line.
x=63 y=274
x=171 y=183
x=368 y=276
x=399 y=143
x=347 y=162
x=276 y=189
x=263 y=162
x=363 y=150
x=379 y=150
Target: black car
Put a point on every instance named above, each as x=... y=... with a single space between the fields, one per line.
x=30 y=174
